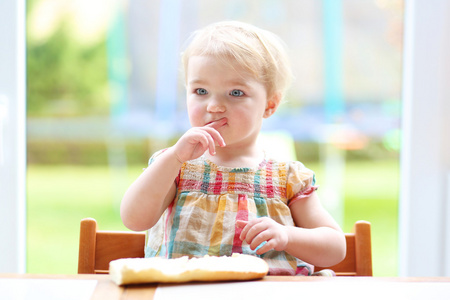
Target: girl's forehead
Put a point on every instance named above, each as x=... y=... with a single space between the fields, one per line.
x=215 y=59
x=204 y=63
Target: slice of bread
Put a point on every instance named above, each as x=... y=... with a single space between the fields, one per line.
x=208 y=268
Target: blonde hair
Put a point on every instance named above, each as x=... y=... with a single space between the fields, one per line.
x=257 y=51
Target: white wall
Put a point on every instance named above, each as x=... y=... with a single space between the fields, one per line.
x=12 y=136
x=425 y=159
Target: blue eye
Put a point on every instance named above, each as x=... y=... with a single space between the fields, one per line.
x=201 y=91
x=237 y=93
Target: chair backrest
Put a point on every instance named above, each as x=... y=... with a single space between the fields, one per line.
x=358 y=260
x=98 y=248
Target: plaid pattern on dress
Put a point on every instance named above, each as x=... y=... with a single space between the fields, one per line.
x=210 y=199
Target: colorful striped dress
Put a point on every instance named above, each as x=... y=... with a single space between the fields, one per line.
x=202 y=218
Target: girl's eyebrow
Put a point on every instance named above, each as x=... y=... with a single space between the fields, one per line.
x=235 y=83
x=196 y=81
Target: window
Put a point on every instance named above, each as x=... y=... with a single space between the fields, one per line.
x=100 y=104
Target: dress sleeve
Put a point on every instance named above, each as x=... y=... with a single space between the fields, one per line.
x=300 y=182
x=155 y=155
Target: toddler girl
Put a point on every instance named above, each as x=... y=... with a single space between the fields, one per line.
x=215 y=192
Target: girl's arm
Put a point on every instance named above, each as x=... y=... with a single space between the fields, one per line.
x=149 y=196
x=317 y=240
x=151 y=193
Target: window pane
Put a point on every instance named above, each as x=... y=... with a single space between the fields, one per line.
x=105 y=91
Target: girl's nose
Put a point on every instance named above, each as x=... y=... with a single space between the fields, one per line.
x=216 y=106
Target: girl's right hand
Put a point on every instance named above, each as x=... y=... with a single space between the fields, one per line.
x=197 y=140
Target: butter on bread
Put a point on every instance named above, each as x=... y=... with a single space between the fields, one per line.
x=208 y=268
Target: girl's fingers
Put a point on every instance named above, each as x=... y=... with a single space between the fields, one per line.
x=245 y=228
x=245 y=225
x=252 y=229
x=203 y=140
x=241 y=223
x=196 y=141
x=262 y=234
x=266 y=247
x=215 y=135
x=211 y=144
x=218 y=123
x=260 y=238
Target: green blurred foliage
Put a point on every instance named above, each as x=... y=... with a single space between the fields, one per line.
x=59 y=196
x=56 y=152
x=65 y=77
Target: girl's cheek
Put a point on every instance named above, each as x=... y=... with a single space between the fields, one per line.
x=195 y=116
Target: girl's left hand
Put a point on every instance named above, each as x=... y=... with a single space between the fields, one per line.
x=261 y=230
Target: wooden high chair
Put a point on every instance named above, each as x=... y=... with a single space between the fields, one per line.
x=98 y=248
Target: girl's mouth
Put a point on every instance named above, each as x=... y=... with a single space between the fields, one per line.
x=217 y=123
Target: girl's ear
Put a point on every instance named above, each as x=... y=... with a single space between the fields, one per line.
x=272 y=105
